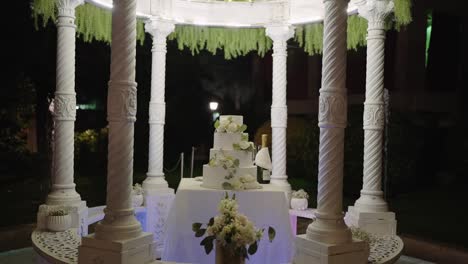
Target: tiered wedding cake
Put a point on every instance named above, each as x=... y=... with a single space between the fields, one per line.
x=231 y=158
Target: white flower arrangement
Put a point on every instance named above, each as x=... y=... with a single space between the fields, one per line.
x=229 y=126
x=243 y=183
x=137 y=189
x=229 y=163
x=232 y=230
x=300 y=194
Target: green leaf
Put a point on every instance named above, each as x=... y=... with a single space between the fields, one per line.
x=226 y=195
x=211 y=221
x=224 y=166
x=196 y=226
x=216 y=125
x=236 y=162
x=227 y=186
x=271 y=233
x=236 y=146
x=200 y=232
x=207 y=242
x=253 y=248
x=234 y=196
x=245 y=137
x=243 y=128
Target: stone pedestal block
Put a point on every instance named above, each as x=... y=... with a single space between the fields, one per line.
x=313 y=252
x=379 y=223
x=128 y=251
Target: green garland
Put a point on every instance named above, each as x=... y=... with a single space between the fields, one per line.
x=94 y=23
x=234 y=41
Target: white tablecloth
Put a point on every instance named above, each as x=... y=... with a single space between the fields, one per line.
x=265 y=207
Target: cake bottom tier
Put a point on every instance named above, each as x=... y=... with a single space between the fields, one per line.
x=215 y=177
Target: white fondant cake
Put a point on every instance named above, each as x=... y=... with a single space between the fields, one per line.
x=231 y=158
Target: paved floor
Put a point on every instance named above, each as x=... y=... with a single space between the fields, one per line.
x=25 y=256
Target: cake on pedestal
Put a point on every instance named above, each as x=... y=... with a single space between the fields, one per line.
x=231 y=165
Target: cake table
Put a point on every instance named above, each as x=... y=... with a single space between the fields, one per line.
x=265 y=207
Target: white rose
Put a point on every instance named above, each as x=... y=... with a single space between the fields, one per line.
x=224 y=123
x=232 y=127
x=229 y=163
x=221 y=129
x=244 y=144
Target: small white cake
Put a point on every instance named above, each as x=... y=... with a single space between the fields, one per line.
x=231 y=163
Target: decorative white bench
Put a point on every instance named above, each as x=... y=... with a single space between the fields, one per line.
x=383 y=249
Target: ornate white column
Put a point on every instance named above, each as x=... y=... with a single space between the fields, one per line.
x=119 y=237
x=63 y=193
x=328 y=239
x=63 y=188
x=279 y=110
x=158 y=195
x=371 y=211
x=159 y=29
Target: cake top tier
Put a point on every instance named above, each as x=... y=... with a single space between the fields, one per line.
x=230 y=124
x=232 y=118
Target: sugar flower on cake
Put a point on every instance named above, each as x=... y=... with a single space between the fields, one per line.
x=243 y=145
x=229 y=126
x=244 y=182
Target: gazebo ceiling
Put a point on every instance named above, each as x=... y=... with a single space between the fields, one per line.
x=233 y=13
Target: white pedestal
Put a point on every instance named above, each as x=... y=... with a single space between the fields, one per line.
x=135 y=250
x=313 y=252
x=158 y=202
x=379 y=223
x=78 y=211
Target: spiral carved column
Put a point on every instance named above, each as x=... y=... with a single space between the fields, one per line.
x=279 y=110
x=157 y=109
x=376 y=12
x=119 y=222
x=63 y=187
x=329 y=226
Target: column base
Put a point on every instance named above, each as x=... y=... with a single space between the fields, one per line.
x=313 y=252
x=380 y=223
x=371 y=201
x=158 y=202
x=155 y=182
x=63 y=196
x=78 y=212
x=127 y=251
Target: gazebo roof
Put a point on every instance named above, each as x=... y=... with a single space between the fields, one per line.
x=237 y=27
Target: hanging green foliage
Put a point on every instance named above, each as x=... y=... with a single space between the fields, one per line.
x=234 y=41
x=402 y=13
x=92 y=22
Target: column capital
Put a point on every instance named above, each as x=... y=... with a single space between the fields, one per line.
x=375 y=12
x=67 y=7
x=159 y=28
x=279 y=32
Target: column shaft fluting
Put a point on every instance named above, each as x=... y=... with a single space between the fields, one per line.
x=157 y=108
x=375 y=11
x=279 y=110
x=63 y=187
x=329 y=226
x=119 y=221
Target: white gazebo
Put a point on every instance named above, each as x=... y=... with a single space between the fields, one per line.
x=119 y=237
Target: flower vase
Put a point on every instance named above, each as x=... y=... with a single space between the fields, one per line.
x=299 y=203
x=58 y=223
x=226 y=255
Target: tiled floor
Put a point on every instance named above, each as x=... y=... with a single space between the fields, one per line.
x=25 y=256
